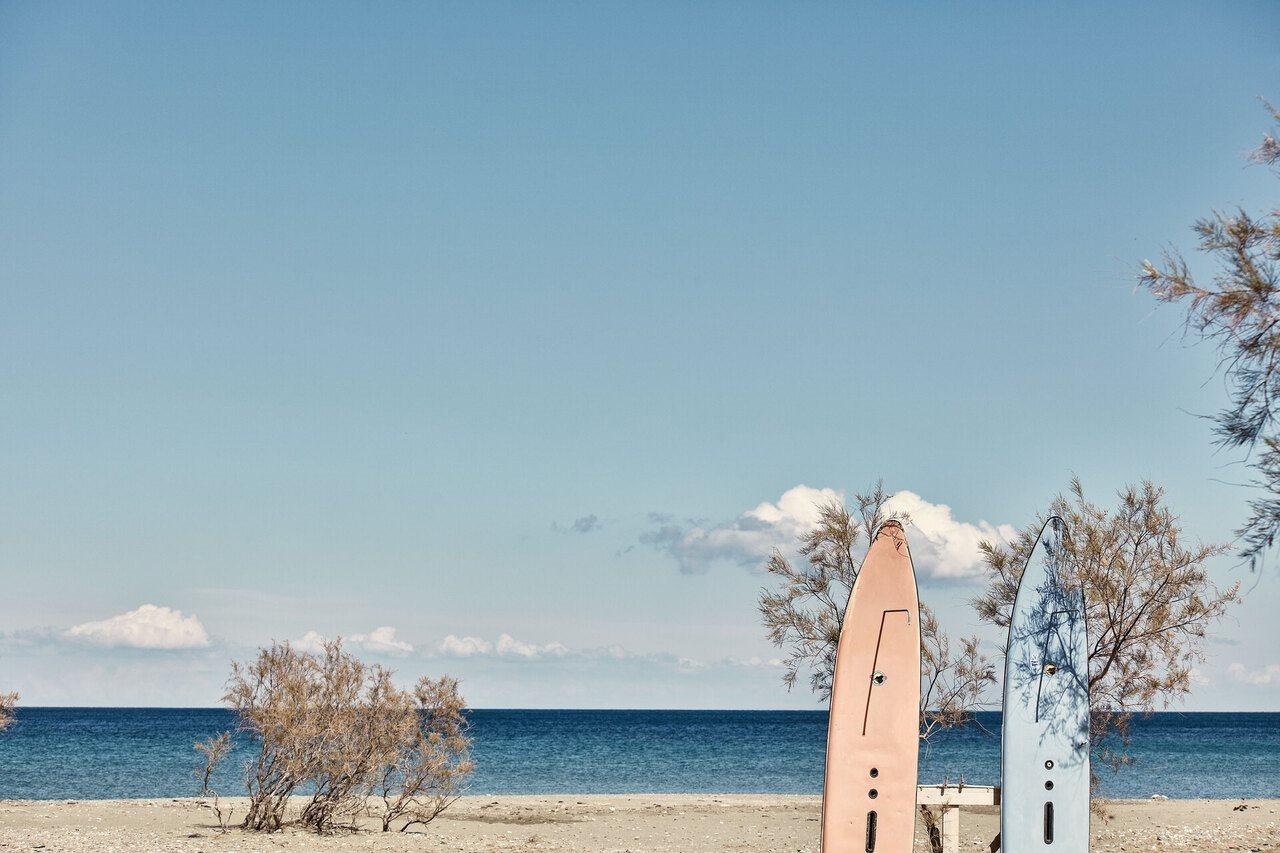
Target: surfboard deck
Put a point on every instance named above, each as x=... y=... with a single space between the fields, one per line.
x=1044 y=765
x=873 y=733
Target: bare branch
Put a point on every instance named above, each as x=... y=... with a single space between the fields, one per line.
x=1149 y=602
x=1239 y=312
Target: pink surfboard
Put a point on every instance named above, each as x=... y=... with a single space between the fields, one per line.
x=873 y=735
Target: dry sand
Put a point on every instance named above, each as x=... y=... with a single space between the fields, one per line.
x=687 y=823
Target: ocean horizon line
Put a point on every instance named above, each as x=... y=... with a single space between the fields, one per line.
x=58 y=752
x=32 y=707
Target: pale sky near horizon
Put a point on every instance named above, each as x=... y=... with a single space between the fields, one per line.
x=506 y=339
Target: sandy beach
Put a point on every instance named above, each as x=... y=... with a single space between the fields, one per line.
x=687 y=823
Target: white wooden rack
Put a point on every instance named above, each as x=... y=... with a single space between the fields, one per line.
x=951 y=798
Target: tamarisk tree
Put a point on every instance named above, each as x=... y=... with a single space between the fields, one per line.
x=328 y=725
x=804 y=611
x=1238 y=310
x=1149 y=602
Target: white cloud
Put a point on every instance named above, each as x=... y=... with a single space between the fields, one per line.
x=754 y=662
x=381 y=641
x=148 y=627
x=509 y=646
x=614 y=651
x=506 y=646
x=464 y=647
x=1257 y=677
x=311 y=642
x=941 y=546
x=747 y=539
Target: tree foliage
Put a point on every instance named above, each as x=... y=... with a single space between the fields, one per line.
x=1149 y=602
x=1238 y=310
x=805 y=610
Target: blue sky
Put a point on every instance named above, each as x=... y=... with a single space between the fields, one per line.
x=330 y=318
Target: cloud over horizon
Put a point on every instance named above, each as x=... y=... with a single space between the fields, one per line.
x=311 y=642
x=454 y=646
x=509 y=648
x=147 y=627
x=746 y=540
x=1260 y=677
x=506 y=646
x=379 y=641
x=941 y=545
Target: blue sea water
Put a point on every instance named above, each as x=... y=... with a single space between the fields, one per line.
x=86 y=753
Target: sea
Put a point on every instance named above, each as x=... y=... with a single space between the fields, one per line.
x=100 y=753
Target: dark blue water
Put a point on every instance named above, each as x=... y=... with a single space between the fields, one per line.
x=83 y=753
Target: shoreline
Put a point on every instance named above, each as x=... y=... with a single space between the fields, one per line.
x=598 y=823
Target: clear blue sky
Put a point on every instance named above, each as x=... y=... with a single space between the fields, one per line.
x=332 y=317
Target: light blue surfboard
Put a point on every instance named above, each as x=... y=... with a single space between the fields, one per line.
x=1044 y=762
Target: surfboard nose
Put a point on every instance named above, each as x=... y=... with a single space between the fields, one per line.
x=889 y=540
x=893 y=529
x=1052 y=535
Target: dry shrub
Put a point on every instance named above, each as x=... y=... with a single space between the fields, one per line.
x=361 y=719
x=278 y=702
x=432 y=763
x=213 y=750
x=340 y=729
x=7 y=703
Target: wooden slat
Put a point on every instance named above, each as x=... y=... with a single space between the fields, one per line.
x=951 y=830
x=957 y=795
